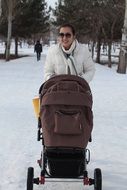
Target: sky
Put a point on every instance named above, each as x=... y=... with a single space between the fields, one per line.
x=20 y=80
x=51 y=2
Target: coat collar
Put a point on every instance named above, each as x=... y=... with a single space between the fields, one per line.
x=59 y=48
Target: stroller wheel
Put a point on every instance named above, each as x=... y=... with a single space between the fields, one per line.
x=30 y=176
x=97 y=179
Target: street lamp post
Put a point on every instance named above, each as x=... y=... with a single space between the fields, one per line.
x=123 y=48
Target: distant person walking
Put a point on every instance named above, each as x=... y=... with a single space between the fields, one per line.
x=38 y=49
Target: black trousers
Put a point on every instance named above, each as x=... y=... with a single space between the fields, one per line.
x=38 y=56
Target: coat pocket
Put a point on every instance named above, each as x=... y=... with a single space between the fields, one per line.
x=68 y=122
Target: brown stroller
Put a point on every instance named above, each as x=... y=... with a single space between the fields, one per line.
x=64 y=126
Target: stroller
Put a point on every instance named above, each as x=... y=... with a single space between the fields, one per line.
x=64 y=127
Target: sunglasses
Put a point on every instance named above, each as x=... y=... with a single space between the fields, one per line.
x=67 y=35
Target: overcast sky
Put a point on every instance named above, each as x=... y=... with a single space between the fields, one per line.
x=51 y=2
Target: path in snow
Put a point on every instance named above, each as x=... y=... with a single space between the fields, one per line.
x=19 y=82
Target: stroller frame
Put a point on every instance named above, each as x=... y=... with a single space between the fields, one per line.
x=46 y=177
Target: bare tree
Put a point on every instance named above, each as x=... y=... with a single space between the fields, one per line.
x=123 y=49
x=8 y=7
x=8 y=44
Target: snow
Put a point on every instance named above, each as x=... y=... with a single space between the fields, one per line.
x=20 y=80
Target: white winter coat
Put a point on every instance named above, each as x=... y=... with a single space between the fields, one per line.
x=56 y=62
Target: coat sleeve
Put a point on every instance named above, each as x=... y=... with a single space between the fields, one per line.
x=88 y=66
x=49 y=65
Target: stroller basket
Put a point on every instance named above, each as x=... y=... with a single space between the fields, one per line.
x=65 y=162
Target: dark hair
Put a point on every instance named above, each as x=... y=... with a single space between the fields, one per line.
x=69 y=26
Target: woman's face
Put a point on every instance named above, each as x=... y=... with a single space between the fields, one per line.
x=66 y=37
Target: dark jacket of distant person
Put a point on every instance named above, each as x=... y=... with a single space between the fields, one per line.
x=38 y=47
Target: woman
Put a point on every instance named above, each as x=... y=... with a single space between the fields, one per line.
x=69 y=56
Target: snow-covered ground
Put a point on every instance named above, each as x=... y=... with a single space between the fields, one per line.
x=20 y=80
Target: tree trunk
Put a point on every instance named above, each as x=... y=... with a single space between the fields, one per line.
x=16 y=47
x=98 y=49
x=9 y=30
x=109 y=53
x=0 y=8
x=92 y=49
x=122 y=62
x=123 y=49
